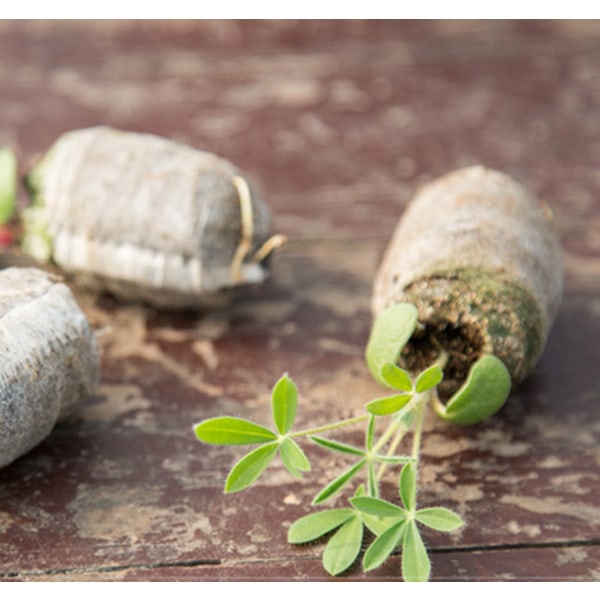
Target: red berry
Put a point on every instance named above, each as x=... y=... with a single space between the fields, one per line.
x=6 y=237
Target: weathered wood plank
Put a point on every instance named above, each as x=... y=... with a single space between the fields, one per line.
x=338 y=123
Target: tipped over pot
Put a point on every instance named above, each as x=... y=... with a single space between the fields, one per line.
x=480 y=260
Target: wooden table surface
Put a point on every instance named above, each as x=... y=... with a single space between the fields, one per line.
x=338 y=124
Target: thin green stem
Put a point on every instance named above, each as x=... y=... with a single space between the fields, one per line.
x=392 y=449
x=439 y=406
x=443 y=356
x=418 y=431
x=420 y=406
x=387 y=434
x=419 y=410
x=330 y=426
x=416 y=445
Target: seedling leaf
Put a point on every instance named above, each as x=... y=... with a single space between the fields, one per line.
x=377 y=507
x=392 y=524
x=230 y=431
x=284 y=399
x=377 y=525
x=415 y=562
x=439 y=518
x=248 y=469
x=429 y=378
x=391 y=329
x=408 y=486
x=383 y=546
x=360 y=491
x=388 y=404
x=337 y=484
x=293 y=458
x=8 y=184
x=396 y=377
x=338 y=446
x=483 y=393
x=312 y=527
x=343 y=548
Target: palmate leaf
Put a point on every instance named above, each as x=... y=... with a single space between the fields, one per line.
x=415 y=562
x=293 y=458
x=312 y=527
x=391 y=329
x=360 y=491
x=337 y=484
x=383 y=546
x=377 y=507
x=344 y=546
x=249 y=468
x=337 y=446
x=439 y=518
x=284 y=403
x=388 y=404
x=377 y=525
x=230 y=431
x=408 y=486
x=396 y=377
x=429 y=378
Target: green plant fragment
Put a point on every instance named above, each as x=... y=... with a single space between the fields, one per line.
x=429 y=378
x=344 y=546
x=377 y=507
x=388 y=404
x=312 y=527
x=36 y=239
x=232 y=431
x=396 y=377
x=337 y=446
x=408 y=486
x=439 y=518
x=383 y=546
x=360 y=490
x=390 y=331
x=284 y=404
x=8 y=184
x=293 y=457
x=415 y=562
x=249 y=468
x=337 y=484
x=483 y=393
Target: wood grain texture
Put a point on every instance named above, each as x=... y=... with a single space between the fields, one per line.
x=338 y=124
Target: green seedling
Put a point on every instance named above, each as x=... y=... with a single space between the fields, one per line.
x=393 y=525
x=8 y=184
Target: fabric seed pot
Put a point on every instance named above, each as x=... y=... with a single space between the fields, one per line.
x=479 y=258
x=146 y=218
x=49 y=358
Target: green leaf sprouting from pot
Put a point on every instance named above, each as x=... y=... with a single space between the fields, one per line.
x=8 y=184
x=483 y=393
x=392 y=328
